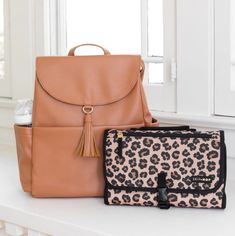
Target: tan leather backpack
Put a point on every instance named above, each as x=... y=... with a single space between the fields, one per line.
x=76 y=98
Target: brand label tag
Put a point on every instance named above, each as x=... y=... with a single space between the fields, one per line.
x=201 y=179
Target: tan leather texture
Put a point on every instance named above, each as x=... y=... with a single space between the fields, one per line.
x=100 y=80
x=112 y=86
x=23 y=135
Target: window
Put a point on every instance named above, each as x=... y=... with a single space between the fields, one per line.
x=1 y=42
x=4 y=78
x=109 y=24
x=159 y=53
x=155 y=42
x=232 y=40
x=104 y=22
x=225 y=57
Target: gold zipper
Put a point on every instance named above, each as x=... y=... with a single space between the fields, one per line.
x=119 y=134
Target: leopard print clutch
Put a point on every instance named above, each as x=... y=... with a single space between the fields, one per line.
x=165 y=167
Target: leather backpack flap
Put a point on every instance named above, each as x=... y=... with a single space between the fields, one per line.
x=111 y=84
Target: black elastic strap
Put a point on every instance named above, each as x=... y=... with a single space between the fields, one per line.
x=162 y=197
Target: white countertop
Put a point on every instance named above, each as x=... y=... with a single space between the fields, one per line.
x=89 y=217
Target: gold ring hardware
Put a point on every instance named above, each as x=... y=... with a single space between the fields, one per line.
x=87 y=109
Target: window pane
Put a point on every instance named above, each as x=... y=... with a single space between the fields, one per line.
x=1 y=41
x=232 y=28
x=156 y=73
x=155 y=27
x=112 y=24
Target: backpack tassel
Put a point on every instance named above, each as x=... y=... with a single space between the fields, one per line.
x=87 y=145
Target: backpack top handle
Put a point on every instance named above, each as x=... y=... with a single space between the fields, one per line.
x=72 y=50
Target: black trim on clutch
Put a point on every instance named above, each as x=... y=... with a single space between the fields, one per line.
x=170 y=190
x=171 y=135
x=106 y=195
x=224 y=169
x=222 y=178
x=183 y=127
x=104 y=168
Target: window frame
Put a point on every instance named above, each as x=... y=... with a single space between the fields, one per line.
x=223 y=61
x=161 y=97
x=144 y=41
x=21 y=53
x=5 y=84
x=56 y=27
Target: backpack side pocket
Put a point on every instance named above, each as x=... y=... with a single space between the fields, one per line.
x=23 y=135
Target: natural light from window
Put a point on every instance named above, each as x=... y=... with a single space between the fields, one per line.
x=232 y=27
x=1 y=40
x=112 y=24
x=155 y=40
x=108 y=23
x=155 y=27
x=156 y=73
